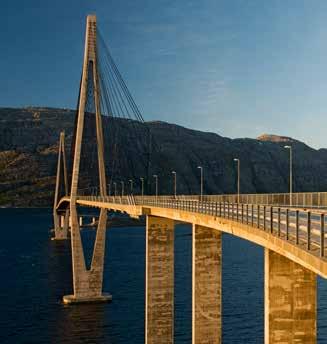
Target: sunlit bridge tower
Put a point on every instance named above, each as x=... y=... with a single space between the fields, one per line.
x=88 y=282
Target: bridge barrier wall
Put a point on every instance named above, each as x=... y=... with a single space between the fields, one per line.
x=302 y=199
x=303 y=227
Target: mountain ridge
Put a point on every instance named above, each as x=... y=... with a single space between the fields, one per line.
x=28 y=156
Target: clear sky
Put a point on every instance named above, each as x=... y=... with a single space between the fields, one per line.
x=239 y=68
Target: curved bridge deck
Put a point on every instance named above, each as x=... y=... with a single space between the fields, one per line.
x=297 y=234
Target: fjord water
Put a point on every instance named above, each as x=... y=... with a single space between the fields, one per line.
x=36 y=272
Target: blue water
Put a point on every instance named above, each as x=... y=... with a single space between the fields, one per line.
x=36 y=272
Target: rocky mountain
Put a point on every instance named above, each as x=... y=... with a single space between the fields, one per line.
x=28 y=156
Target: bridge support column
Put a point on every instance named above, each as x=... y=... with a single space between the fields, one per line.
x=206 y=286
x=290 y=301
x=88 y=283
x=61 y=224
x=159 y=307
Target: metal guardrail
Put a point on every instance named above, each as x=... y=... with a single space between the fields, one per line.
x=299 y=199
x=303 y=199
x=304 y=228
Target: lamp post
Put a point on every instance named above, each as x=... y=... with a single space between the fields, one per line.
x=291 y=172
x=131 y=183
x=122 y=188
x=175 y=182
x=142 y=186
x=201 y=182
x=238 y=178
x=115 y=189
x=156 y=179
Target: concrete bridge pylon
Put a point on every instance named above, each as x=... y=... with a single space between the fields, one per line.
x=88 y=282
x=61 y=221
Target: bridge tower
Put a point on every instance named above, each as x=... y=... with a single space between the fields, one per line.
x=60 y=221
x=88 y=282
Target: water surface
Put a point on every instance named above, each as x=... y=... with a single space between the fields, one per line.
x=36 y=272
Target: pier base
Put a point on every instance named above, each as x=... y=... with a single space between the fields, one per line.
x=206 y=286
x=290 y=301
x=159 y=304
x=72 y=299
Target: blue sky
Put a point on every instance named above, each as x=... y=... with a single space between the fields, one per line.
x=239 y=68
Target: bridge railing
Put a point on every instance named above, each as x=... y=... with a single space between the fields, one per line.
x=301 y=227
x=299 y=200
x=305 y=228
x=303 y=199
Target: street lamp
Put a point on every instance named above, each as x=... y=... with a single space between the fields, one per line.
x=291 y=172
x=131 y=183
x=122 y=188
x=201 y=182
x=142 y=187
x=175 y=182
x=156 y=178
x=115 y=188
x=238 y=178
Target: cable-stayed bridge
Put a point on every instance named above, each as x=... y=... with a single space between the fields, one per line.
x=290 y=227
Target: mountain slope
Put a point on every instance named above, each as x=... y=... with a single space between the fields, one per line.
x=28 y=156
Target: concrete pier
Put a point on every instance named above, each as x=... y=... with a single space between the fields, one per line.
x=290 y=301
x=159 y=304
x=61 y=224
x=206 y=286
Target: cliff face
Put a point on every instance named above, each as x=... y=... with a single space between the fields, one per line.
x=28 y=156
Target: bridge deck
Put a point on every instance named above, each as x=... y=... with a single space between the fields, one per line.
x=298 y=234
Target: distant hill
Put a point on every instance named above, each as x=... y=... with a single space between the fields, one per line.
x=28 y=156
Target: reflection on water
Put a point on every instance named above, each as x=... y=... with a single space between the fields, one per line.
x=36 y=272
x=85 y=323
